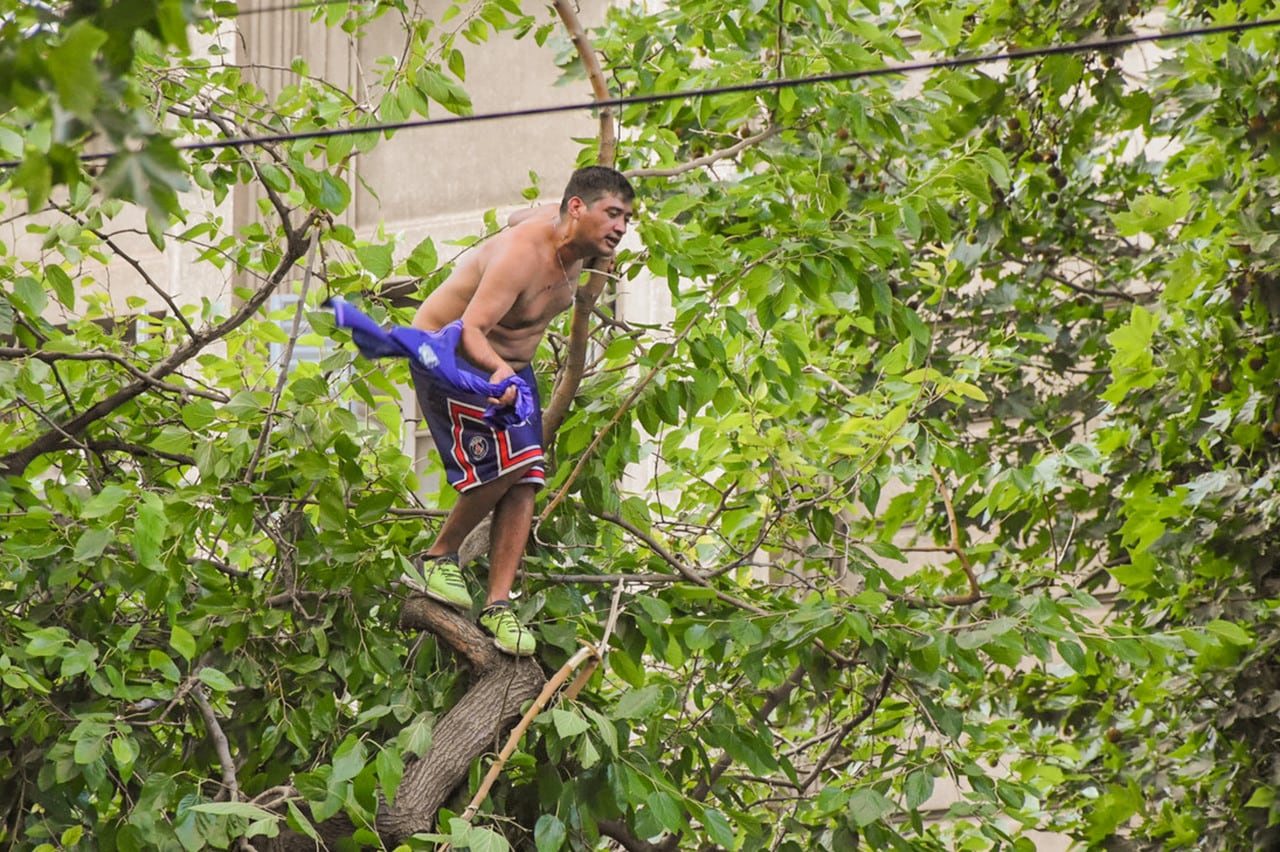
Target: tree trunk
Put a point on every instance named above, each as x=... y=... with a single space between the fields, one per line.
x=473 y=726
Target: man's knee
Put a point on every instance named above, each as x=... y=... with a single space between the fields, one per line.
x=522 y=492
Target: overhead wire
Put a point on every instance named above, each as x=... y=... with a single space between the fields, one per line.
x=1098 y=45
x=284 y=7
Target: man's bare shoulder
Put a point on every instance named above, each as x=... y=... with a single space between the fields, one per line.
x=518 y=252
x=542 y=211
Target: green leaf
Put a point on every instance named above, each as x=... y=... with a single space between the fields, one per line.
x=467 y=836
x=444 y=91
x=1152 y=214
x=182 y=641
x=236 y=809
x=423 y=259
x=1229 y=632
x=299 y=822
x=549 y=833
x=718 y=828
x=47 y=642
x=666 y=810
x=105 y=502
x=125 y=751
x=637 y=703
x=149 y=530
x=918 y=788
x=867 y=806
x=62 y=285
x=376 y=260
x=568 y=724
x=215 y=679
x=390 y=768
x=73 y=69
x=415 y=739
x=348 y=760
x=1263 y=797
x=984 y=633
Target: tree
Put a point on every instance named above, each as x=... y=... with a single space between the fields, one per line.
x=961 y=446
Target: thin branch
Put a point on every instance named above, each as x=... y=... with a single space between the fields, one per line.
x=285 y=357
x=14 y=352
x=707 y=159
x=975 y=591
x=142 y=272
x=230 y=786
x=685 y=570
x=773 y=698
x=605 y=579
x=117 y=445
x=869 y=706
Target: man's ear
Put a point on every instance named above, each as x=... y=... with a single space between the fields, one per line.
x=577 y=206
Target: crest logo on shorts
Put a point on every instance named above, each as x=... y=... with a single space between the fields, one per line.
x=477 y=447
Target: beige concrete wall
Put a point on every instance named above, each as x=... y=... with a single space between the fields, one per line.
x=437 y=174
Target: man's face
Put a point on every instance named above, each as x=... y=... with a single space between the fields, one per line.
x=603 y=222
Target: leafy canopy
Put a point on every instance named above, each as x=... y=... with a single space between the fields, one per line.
x=958 y=517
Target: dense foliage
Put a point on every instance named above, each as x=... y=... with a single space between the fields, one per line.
x=960 y=519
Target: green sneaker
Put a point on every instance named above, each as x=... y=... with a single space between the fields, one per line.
x=440 y=578
x=499 y=620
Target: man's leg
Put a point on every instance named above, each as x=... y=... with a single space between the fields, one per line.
x=472 y=508
x=438 y=574
x=512 y=520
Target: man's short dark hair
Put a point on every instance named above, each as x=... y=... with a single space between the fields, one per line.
x=591 y=183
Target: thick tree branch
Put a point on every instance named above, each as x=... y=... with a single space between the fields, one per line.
x=500 y=687
x=538 y=705
x=620 y=832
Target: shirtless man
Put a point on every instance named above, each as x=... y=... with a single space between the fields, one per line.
x=506 y=294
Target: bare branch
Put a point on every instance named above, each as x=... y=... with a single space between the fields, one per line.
x=707 y=159
x=285 y=357
x=142 y=273
x=211 y=725
x=975 y=592
x=588 y=294
x=599 y=87
x=13 y=353
x=513 y=740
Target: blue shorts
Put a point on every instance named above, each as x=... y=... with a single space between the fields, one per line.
x=473 y=452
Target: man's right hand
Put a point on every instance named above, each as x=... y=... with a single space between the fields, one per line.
x=509 y=395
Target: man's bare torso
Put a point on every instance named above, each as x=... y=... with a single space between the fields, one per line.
x=536 y=285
